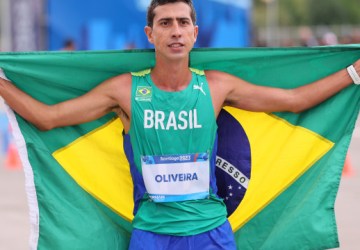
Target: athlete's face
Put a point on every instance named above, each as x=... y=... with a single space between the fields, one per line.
x=173 y=33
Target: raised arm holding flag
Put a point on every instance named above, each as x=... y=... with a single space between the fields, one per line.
x=169 y=117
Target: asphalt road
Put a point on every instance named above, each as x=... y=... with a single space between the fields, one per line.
x=14 y=222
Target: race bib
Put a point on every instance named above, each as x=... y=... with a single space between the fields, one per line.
x=181 y=177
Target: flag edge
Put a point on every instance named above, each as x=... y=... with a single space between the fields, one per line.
x=30 y=188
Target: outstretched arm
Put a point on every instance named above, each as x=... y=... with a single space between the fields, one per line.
x=101 y=100
x=233 y=91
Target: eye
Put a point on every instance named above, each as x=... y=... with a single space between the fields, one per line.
x=185 y=22
x=164 y=23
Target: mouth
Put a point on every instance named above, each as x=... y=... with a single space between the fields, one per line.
x=176 y=45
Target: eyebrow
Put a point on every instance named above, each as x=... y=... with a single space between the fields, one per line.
x=171 y=18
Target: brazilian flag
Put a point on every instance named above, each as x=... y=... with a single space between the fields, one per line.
x=278 y=173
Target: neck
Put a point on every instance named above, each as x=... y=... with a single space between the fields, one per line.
x=171 y=76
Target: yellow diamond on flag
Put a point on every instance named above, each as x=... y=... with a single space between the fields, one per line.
x=97 y=162
x=280 y=153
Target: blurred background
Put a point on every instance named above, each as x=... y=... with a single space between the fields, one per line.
x=52 y=25
x=28 y=25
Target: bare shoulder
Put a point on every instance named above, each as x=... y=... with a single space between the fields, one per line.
x=219 y=79
x=122 y=80
x=118 y=86
x=227 y=89
x=115 y=92
x=219 y=88
x=118 y=89
x=215 y=76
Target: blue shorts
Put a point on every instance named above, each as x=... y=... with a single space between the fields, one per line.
x=220 y=238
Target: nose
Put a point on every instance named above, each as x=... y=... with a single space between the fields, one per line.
x=176 y=31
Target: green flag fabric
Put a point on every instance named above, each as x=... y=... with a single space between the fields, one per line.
x=78 y=180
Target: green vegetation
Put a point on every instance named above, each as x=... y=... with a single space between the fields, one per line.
x=310 y=12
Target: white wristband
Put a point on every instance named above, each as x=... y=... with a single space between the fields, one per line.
x=353 y=74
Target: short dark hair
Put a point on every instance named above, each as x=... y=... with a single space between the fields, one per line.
x=155 y=3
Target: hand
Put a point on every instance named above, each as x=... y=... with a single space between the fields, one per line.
x=2 y=75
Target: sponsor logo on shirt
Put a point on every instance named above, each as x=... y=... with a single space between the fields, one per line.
x=200 y=87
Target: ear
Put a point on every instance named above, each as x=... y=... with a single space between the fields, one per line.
x=196 y=32
x=148 y=33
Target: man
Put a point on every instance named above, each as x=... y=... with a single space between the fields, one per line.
x=69 y=45
x=169 y=116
